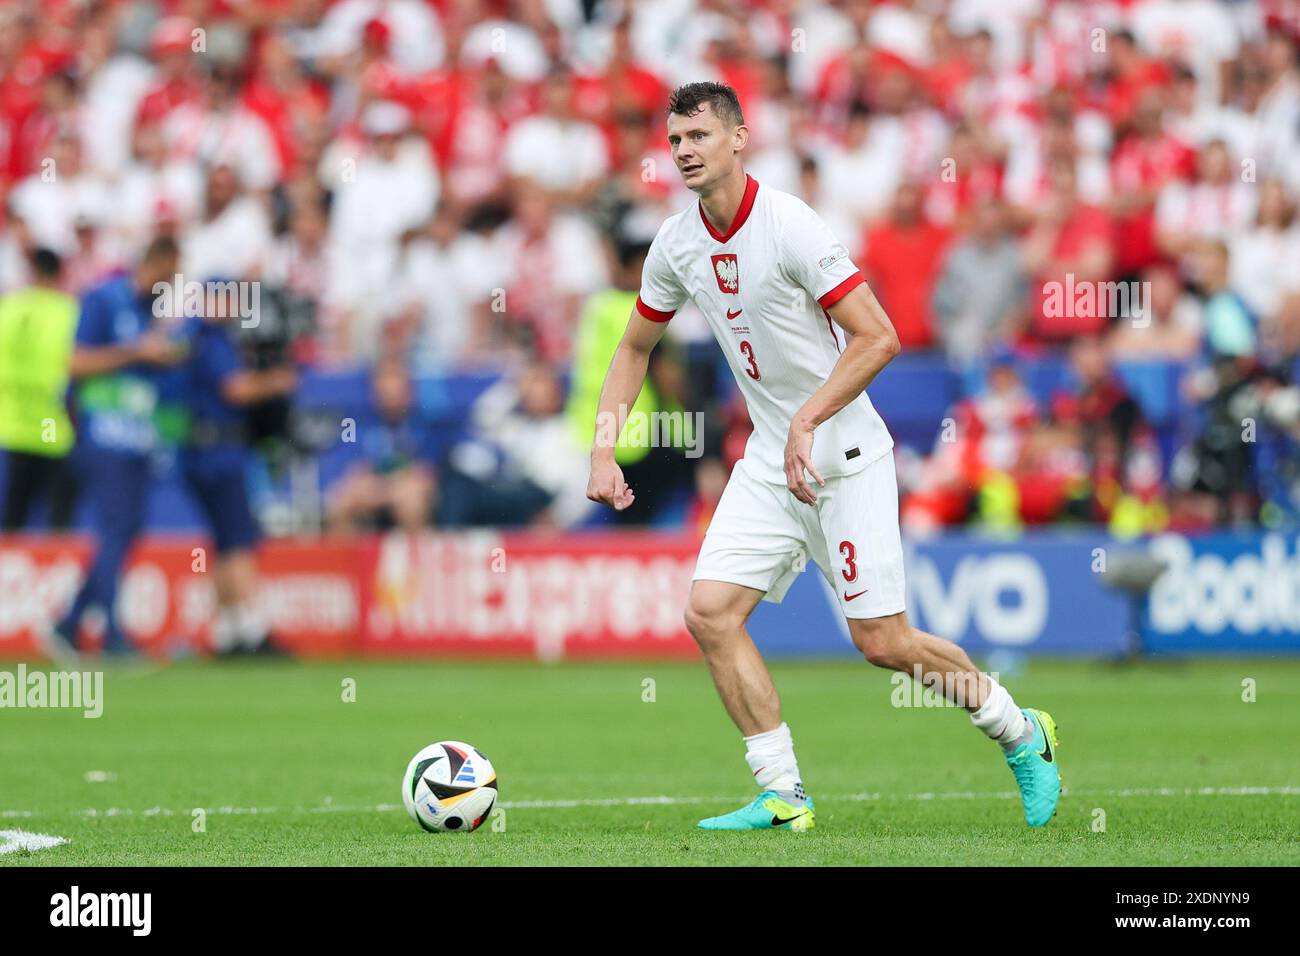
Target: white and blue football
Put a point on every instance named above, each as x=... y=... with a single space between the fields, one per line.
x=449 y=786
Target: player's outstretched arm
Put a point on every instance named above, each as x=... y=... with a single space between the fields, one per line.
x=872 y=342
x=623 y=383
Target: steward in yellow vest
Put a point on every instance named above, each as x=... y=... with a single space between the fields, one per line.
x=652 y=457
x=38 y=324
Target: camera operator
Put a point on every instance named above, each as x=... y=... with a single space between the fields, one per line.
x=218 y=389
x=1216 y=473
x=281 y=336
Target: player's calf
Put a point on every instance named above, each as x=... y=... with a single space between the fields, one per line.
x=1027 y=737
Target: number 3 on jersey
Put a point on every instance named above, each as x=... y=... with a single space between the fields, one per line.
x=747 y=350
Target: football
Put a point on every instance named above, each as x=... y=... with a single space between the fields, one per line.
x=449 y=785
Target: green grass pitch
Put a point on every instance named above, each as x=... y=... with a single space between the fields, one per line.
x=287 y=772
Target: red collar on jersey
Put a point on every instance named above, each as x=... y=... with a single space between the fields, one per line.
x=746 y=204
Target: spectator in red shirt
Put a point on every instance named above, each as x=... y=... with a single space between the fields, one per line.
x=622 y=86
x=179 y=79
x=951 y=69
x=468 y=112
x=902 y=260
x=954 y=196
x=286 y=100
x=1144 y=162
x=1069 y=248
x=1131 y=77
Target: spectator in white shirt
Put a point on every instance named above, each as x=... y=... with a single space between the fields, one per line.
x=219 y=130
x=154 y=186
x=565 y=156
x=113 y=83
x=513 y=44
x=1217 y=205
x=443 y=298
x=232 y=237
x=859 y=177
x=1200 y=33
x=1265 y=259
x=415 y=29
x=549 y=263
x=61 y=190
x=520 y=465
x=389 y=189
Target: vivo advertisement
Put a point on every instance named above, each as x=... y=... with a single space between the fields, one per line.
x=1039 y=594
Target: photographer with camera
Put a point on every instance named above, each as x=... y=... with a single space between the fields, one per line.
x=219 y=390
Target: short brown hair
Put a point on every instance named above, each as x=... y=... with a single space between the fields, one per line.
x=690 y=98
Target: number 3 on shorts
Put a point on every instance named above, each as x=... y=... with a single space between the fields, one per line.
x=849 y=554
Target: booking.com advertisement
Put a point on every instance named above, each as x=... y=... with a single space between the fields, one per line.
x=1225 y=593
x=503 y=594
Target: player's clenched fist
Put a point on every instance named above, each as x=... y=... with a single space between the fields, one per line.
x=606 y=484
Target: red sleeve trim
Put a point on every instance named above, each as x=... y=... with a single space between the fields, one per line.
x=841 y=290
x=654 y=315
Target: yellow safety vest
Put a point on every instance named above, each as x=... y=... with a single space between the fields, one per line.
x=37 y=331
x=600 y=329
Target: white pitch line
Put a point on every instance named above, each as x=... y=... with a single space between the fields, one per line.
x=667 y=801
x=13 y=841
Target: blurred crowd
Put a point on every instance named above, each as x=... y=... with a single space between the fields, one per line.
x=451 y=185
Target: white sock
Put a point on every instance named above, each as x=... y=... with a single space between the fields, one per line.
x=1001 y=719
x=252 y=629
x=225 y=630
x=771 y=756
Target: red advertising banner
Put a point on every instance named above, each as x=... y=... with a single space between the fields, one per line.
x=465 y=594
x=548 y=596
x=309 y=593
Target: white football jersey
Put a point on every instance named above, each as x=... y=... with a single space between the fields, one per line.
x=764 y=286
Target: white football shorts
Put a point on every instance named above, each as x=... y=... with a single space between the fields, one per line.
x=761 y=537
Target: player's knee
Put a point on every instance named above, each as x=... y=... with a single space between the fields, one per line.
x=709 y=622
x=883 y=641
x=699 y=622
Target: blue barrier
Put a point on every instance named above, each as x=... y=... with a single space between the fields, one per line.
x=912 y=394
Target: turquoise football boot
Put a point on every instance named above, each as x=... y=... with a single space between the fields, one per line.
x=766 y=812
x=1037 y=770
